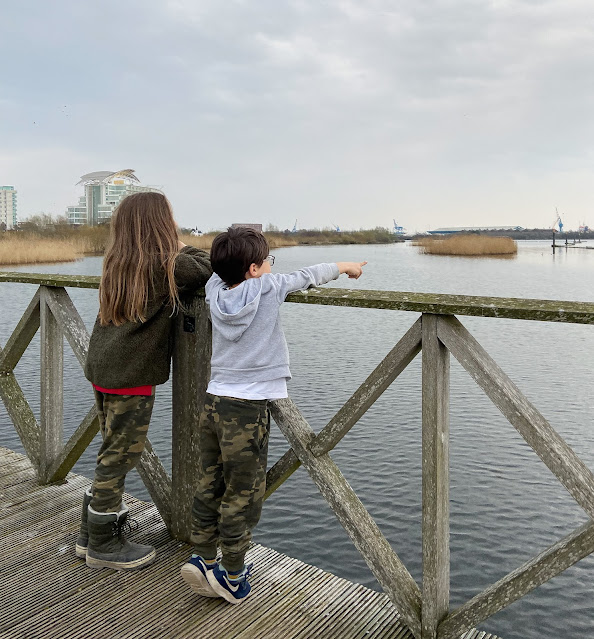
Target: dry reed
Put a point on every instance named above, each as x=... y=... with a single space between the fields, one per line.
x=469 y=245
x=66 y=244
x=275 y=240
x=35 y=250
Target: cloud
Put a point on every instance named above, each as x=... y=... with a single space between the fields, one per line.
x=304 y=109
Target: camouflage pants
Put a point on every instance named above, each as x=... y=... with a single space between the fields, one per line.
x=124 y=421
x=233 y=451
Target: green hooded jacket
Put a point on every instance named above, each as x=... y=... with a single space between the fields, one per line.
x=139 y=353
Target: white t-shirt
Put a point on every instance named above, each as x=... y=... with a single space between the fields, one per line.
x=271 y=389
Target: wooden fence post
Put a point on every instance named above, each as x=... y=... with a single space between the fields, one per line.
x=436 y=526
x=191 y=370
x=52 y=388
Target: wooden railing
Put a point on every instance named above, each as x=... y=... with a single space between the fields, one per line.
x=437 y=333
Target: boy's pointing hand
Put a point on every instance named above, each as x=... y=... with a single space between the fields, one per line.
x=353 y=269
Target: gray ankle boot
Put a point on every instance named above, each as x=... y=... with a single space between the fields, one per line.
x=83 y=535
x=108 y=548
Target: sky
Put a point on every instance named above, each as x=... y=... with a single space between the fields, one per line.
x=315 y=112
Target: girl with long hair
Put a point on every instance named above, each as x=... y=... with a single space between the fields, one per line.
x=147 y=272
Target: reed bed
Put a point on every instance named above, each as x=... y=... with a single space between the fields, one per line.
x=275 y=240
x=63 y=243
x=32 y=248
x=24 y=250
x=303 y=237
x=377 y=235
x=468 y=245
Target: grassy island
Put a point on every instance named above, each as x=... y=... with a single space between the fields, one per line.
x=468 y=245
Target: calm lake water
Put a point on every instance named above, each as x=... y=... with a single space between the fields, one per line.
x=505 y=505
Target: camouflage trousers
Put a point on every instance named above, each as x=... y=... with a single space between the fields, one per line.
x=124 y=421
x=232 y=455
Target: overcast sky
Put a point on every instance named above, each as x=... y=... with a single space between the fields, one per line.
x=433 y=113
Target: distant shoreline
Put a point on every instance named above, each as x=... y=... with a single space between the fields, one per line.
x=69 y=244
x=525 y=234
x=62 y=243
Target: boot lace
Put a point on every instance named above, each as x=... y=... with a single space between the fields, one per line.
x=120 y=529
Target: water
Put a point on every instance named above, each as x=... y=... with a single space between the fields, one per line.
x=506 y=506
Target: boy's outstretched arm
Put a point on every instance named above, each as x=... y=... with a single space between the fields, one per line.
x=313 y=276
x=353 y=269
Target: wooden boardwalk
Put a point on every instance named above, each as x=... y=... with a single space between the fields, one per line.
x=48 y=593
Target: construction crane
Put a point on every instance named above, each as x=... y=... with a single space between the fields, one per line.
x=398 y=230
x=557 y=222
x=336 y=228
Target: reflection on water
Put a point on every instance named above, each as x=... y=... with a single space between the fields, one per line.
x=506 y=506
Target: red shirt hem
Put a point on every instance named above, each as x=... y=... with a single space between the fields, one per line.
x=135 y=390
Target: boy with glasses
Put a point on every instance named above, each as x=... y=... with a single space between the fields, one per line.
x=249 y=367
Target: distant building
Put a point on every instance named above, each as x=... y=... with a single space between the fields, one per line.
x=256 y=227
x=473 y=229
x=103 y=192
x=8 y=207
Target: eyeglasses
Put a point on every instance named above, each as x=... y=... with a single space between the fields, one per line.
x=270 y=260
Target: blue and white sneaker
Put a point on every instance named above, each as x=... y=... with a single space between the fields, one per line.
x=195 y=573
x=233 y=590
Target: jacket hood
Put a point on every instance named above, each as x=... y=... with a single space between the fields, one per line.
x=232 y=310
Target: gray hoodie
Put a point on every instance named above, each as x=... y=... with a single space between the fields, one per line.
x=248 y=344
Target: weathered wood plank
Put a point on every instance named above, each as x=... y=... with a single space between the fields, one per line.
x=58 y=583
x=435 y=467
x=156 y=480
x=69 y=321
x=52 y=388
x=150 y=601
x=281 y=471
x=13 y=491
x=359 y=525
x=370 y=390
x=545 y=566
x=75 y=446
x=14 y=476
x=21 y=415
x=38 y=508
x=191 y=370
x=22 y=335
x=439 y=304
x=560 y=459
x=9 y=456
x=51 y=279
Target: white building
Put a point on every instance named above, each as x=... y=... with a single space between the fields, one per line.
x=8 y=207
x=103 y=192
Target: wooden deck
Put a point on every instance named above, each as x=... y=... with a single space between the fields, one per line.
x=47 y=592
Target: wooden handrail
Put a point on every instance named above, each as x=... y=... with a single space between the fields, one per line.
x=51 y=279
x=435 y=303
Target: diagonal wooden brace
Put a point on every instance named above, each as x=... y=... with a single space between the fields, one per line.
x=385 y=564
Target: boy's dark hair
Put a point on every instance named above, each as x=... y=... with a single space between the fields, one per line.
x=233 y=252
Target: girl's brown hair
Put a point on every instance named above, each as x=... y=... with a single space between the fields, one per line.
x=143 y=245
